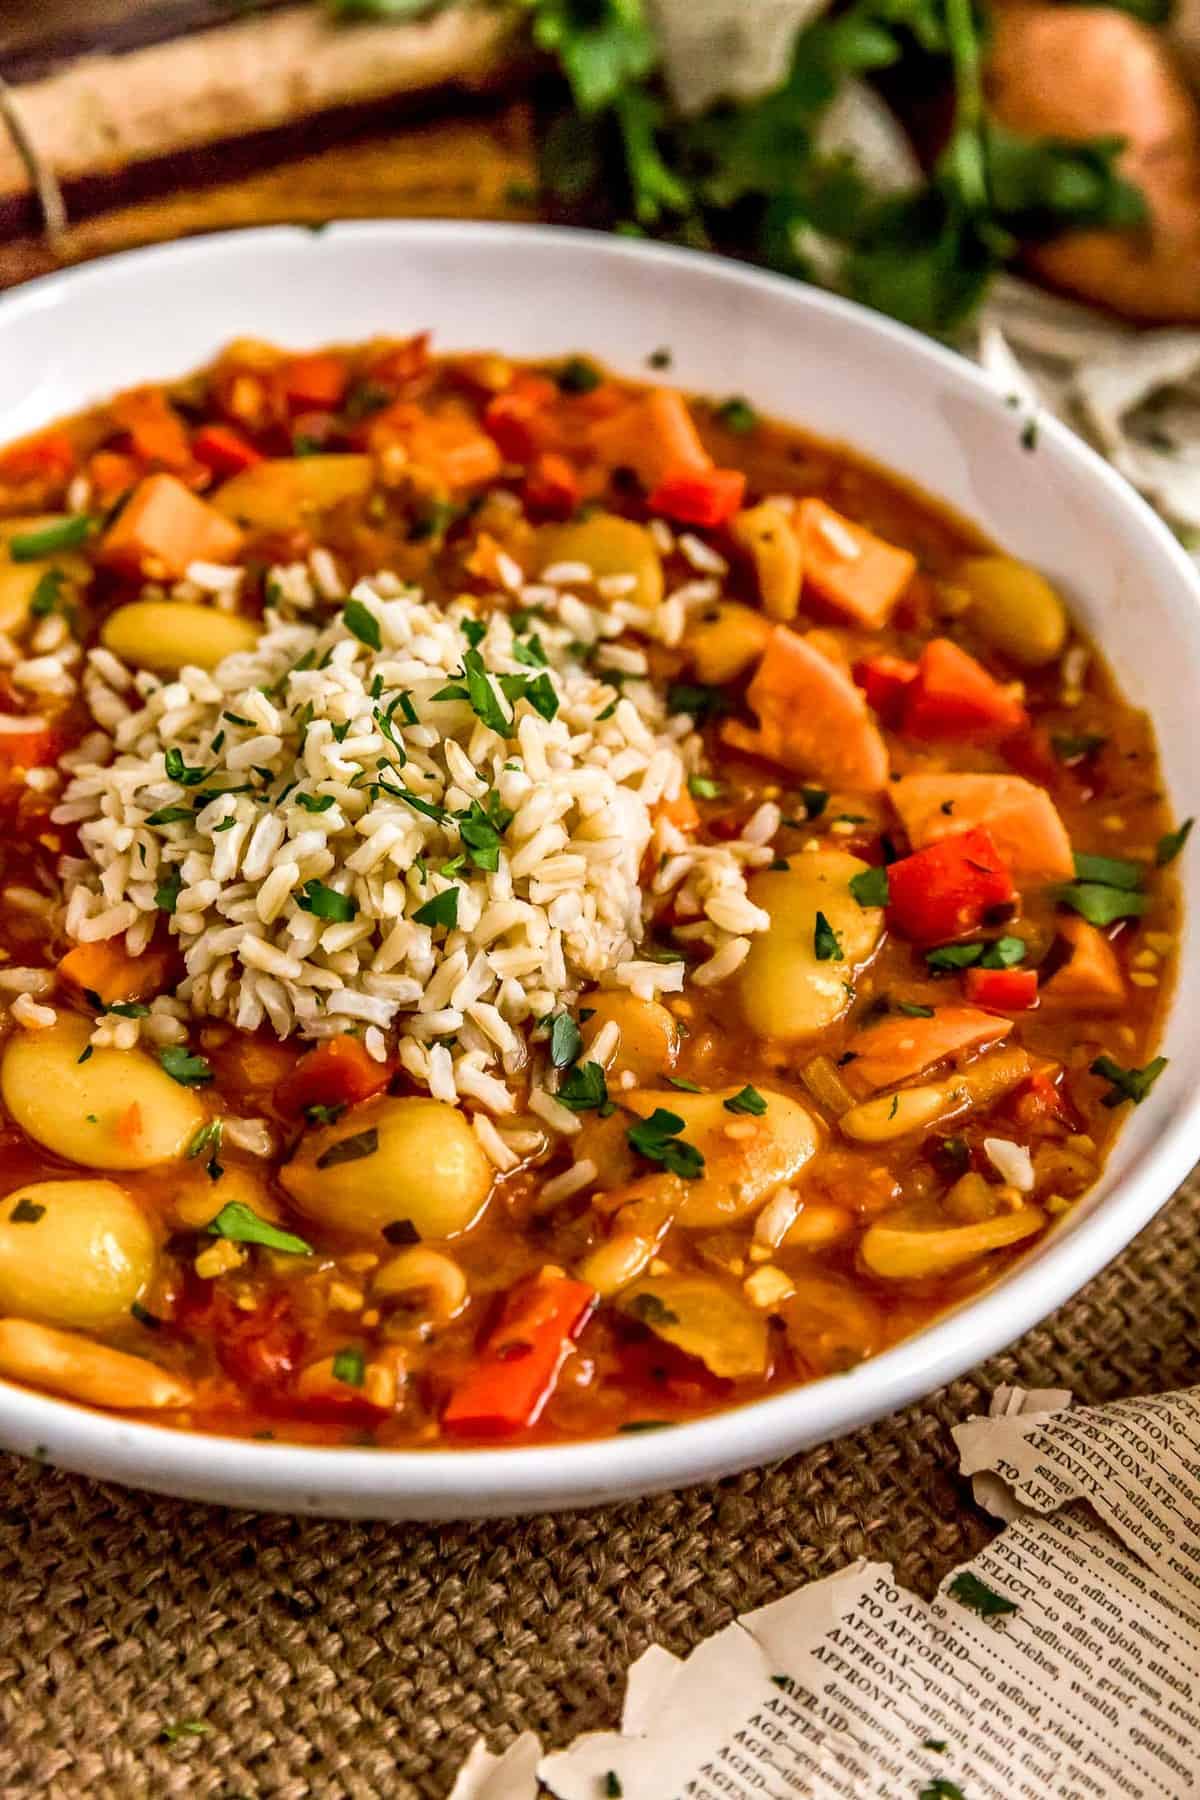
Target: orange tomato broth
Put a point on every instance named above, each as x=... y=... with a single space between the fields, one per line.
x=242 y=1339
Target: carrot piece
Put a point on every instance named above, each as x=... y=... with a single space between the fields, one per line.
x=681 y=812
x=708 y=498
x=447 y=443
x=655 y=436
x=515 y=1376
x=27 y=741
x=112 y=473
x=885 y=680
x=850 y=568
x=1091 y=979
x=1002 y=990
x=156 y=432
x=948 y=888
x=315 y=381
x=899 y=1047
x=106 y=969
x=552 y=487
x=954 y=696
x=336 y=1073
x=166 y=526
x=224 y=450
x=811 y=717
x=1022 y=819
x=50 y=454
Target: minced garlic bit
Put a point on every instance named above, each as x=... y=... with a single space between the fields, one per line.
x=219 y=1259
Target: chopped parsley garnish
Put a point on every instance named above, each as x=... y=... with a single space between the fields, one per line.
x=578 y=376
x=47 y=593
x=586 y=1090
x=237 y=719
x=315 y=803
x=651 y=1310
x=1001 y=953
x=530 y=652
x=183 y=1067
x=657 y=1139
x=142 y=1316
x=178 y=770
x=350 y=1367
x=1127 y=1084
x=427 y=808
x=208 y=1138
x=361 y=621
x=26 y=1212
x=826 y=944
x=474 y=630
x=703 y=787
x=746 y=1100
x=870 y=887
x=1101 y=904
x=326 y=903
x=350 y=1149
x=404 y=702
x=911 y=1010
x=970 y=1591
x=171 y=815
x=364 y=398
x=1072 y=746
x=685 y=1087
x=703 y=703
x=737 y=415
x=565 y=1041
x=441 y=910
x=124 y=1009
x=320 y=1114
x=63 y=534
x=1171 y=843
x=1109 y=871
x=242 y=1225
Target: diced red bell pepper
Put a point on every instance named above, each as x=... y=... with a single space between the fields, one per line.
x=314 y=383
x=885 y=680
x=224 y=450
x=338 y=1072
x=519 y=419
x=1002 y=990
x=1031 y=754
x=1041 y=1100
x=48 y=455
x=515 y=1376
x=259 y=1349
x=949 y=888
x=708 y=497
x=953 y=696
x=552 y=487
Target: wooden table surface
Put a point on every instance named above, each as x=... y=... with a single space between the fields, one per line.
x=474 y=163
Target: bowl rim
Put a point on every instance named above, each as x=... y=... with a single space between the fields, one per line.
x=474 y=1483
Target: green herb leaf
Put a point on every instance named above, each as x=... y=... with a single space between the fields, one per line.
x=242 y=1225
x=585 y=1090
x=746 y=1100
x=1171 y=843
x=171 y=815
x=970 y=1591
x=441 y=910
x=320 y=1114
x=657 y=1139
x=703 y=703
x=178 y=770
x=541 y=696
x=26 y=1212
x=578 y=376
x=350 y=1366
x=1100 y=904
x=1127 y=1084
x=326 y=903
x=1072 y=746
x=685 y=1087
x=565 y=1041
x=1003 y=953
x=315 y=803
x=354 y=1148
x=183 y=1067
x=826 y=945
x=911 y=1010
x=474 y=630
x=703 y=787
x=651 y=1310
x=737 y=415
x=47 y=593
x=361 y=621
x=870 y=887
x=1109 y=871
x=141 y=1316
x=63 y=534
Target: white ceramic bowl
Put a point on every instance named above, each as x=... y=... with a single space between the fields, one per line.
x=829 y=366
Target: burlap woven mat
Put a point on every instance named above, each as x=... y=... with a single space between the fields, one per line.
x=360 y=1660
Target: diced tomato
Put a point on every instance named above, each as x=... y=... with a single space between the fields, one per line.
x=508 y=1388
x=27 y=742
x=1030 y=753
x=1041 y=1100
x=156 y=432
x=259 y=1349
x=949 y=888
x=552 y=487
x=317 y=381
x=707 y=498
x=1002 y=990
x=224 y=450
x=954 y=696
x=518 y=419
x=48 y=456
x=338 y=1072
x=885 y=680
